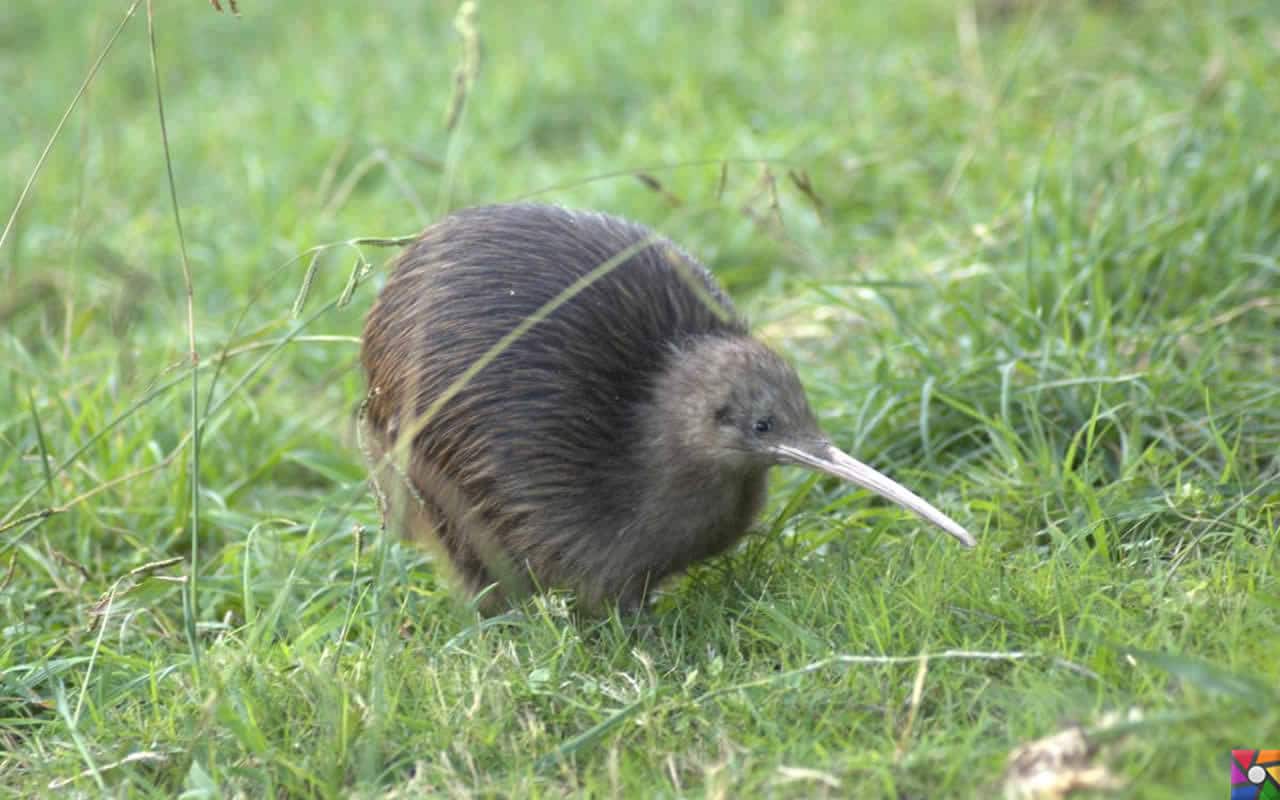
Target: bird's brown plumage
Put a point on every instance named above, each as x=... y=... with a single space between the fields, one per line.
x=610 y=444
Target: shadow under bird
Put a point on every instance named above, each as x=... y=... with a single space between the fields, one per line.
x=566 y=399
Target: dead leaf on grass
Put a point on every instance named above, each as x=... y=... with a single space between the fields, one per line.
x=1053 y=767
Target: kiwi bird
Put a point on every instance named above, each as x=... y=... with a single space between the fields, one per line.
x=566 y=399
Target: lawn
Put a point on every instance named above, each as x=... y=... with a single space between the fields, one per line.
x=1025 y=256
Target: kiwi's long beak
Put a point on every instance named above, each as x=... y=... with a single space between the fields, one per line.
x=827 y=458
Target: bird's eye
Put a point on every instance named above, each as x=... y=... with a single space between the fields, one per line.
x=763 y=425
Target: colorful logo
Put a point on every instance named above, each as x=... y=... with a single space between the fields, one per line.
x=1255 y=775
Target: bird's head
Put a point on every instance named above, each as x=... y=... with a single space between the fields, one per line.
x=733 y=404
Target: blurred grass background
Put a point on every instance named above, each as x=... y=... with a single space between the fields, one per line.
x=1024 y=254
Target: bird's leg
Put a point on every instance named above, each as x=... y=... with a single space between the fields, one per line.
x=487 y=597
x=635 y=596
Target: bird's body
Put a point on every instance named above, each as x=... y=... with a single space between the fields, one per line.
x=579 y=402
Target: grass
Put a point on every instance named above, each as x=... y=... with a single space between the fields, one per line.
x=1026 y=256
